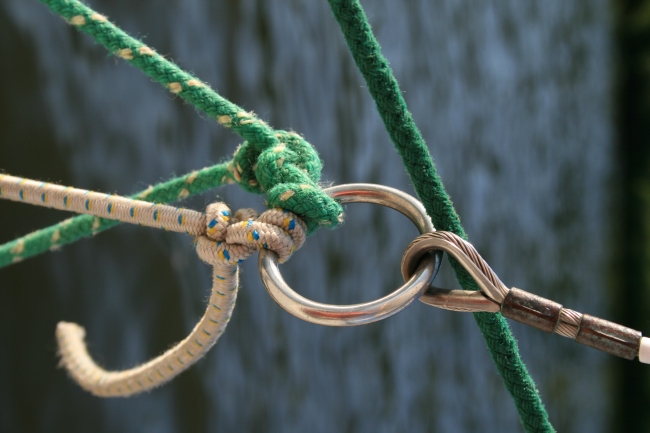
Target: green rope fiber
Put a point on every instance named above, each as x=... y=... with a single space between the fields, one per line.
x=411 y=146
x=278 y=163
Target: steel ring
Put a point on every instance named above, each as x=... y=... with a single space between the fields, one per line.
x=357 y=314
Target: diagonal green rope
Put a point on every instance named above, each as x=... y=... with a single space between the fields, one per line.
x=411 y=146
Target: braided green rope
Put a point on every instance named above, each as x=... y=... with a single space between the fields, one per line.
x=411 y=146
x=279 y=163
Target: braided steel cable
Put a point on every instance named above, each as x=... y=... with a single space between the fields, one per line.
x=461 y=250
x=517 y=304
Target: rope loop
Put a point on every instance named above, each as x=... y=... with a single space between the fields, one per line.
x=288 y=171
x=232 y=239
x=225 y=241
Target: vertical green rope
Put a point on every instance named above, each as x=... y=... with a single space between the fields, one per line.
x=411 y=146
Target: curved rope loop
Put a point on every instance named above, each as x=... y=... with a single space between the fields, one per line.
x=464 y=253
x=227 y=241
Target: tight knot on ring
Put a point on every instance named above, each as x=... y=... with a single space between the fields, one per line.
x=233 y=238
x=288 y=170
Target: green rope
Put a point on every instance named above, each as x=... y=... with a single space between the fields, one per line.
x=281 y=164
x=411 y=146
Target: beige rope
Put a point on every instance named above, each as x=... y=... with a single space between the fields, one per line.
x=93 y=378
x=102 y=205
x=222 y=241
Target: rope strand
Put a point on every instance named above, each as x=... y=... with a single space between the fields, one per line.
x=73 y=229
x=221 y=240
x=107 y=206
x=93 y=378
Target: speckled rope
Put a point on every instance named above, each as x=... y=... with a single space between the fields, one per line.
x=102 y=205
x=276 y=229
x=222 y=240
x=75 y=228
x=91 y=377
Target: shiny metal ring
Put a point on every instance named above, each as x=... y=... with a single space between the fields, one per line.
x=357 y=314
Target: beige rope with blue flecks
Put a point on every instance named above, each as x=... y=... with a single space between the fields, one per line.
x=102 y=205
x=222 y=240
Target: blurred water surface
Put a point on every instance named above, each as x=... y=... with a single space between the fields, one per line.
x=514 y=99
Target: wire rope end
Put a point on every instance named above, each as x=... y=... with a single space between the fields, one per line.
x=644 y=350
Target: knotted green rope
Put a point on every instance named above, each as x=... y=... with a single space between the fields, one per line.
x=411 y=146
x=279 y=163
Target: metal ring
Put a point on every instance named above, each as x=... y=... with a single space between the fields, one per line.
x=357 y=314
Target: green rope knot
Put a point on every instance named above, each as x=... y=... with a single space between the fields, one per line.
x=288 y=171
x=289 y=175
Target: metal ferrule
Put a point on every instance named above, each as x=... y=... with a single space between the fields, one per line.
x=609 y=337
x=591 y=331
x=530 y=309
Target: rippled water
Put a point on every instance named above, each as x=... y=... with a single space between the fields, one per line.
x=514 y=101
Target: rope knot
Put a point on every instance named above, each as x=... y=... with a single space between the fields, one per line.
x=288 y=170
x=232 y=239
